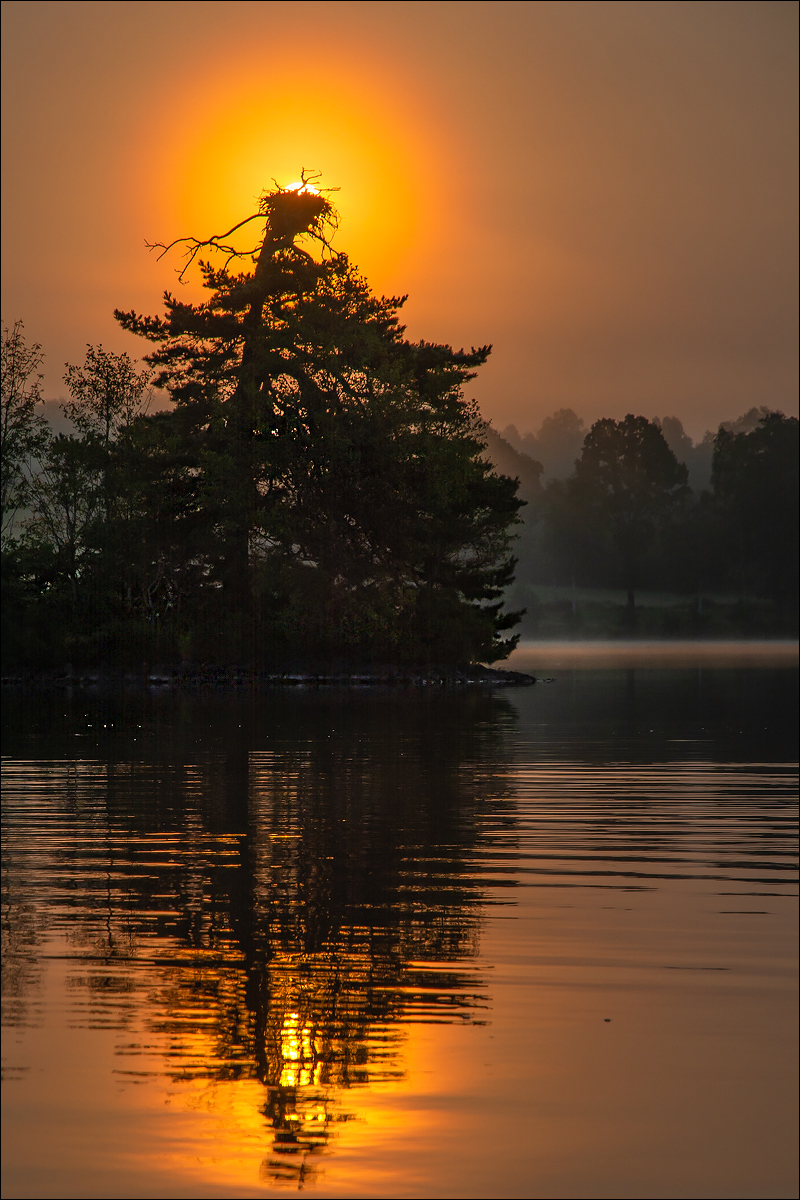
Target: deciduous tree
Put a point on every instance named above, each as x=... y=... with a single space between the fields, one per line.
x=629 y=483
x=23 y=432
x=755 y=480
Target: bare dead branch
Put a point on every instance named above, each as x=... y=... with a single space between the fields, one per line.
x=194 y=246
x=215 y=242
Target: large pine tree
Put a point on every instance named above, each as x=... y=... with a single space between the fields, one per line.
x=341 y=506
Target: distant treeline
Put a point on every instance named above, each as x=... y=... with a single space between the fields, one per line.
x=635 y=505
x=559 y=440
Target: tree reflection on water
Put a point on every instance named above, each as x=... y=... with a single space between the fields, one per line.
x=264 y=888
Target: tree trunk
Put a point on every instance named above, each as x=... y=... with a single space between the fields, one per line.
x=630 y=608
x=238 y=520
x=242 y=409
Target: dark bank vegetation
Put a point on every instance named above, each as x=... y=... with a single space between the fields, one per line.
x=623 y=541
x=321 y=495
x=317 y=493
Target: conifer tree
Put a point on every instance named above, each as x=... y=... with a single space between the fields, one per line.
x=337 y=467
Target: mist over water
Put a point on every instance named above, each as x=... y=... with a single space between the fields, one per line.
x=374 y=942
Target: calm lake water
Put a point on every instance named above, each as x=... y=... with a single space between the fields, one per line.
x=529 y=943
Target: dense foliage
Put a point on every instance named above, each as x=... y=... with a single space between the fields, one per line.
x=755 y=480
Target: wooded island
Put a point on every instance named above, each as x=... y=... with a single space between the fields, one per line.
x=321 y=490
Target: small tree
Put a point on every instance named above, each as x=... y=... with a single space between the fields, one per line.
x=66 y=503
x=23 y=431
x=107 y=393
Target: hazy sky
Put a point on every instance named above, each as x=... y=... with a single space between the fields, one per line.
x=604 y=191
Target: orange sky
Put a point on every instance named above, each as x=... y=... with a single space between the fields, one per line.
x=604 y=191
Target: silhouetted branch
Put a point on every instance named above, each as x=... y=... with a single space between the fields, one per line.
x=195 y=245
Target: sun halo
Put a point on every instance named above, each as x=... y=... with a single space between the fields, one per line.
x=220 y=157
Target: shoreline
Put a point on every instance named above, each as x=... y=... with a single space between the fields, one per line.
x=196 y=677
